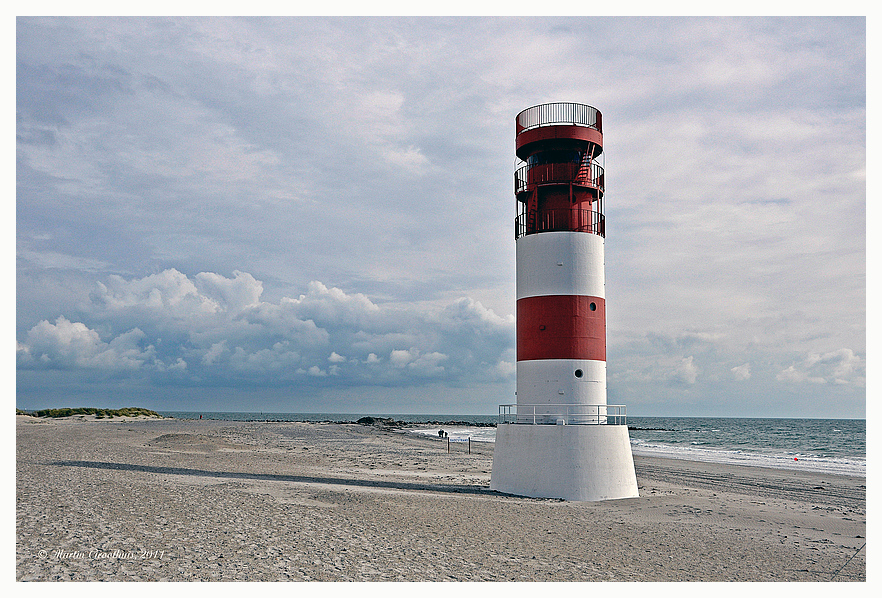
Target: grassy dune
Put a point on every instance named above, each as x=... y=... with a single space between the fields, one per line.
x=98 y=413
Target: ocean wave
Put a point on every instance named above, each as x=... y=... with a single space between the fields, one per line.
x=475 y=433
x=790 y=461
x=796 y=460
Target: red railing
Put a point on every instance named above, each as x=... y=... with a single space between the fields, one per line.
x=558 y=113
x=563 y=219
x=566 y=172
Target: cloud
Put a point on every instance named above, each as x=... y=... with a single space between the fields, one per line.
x=429 y=364
x=410 y=159
x=236 y=294
x=214 y=352
x=218 y=330
x=667 y=367
x=841 y=367
x=169 y=294
x=741 y=372
x=324 y=304
x=686 y=371
x=400 y=358
x=70 y=345
x=424 y=364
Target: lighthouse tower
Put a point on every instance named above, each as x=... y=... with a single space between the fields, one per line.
x=561 y=439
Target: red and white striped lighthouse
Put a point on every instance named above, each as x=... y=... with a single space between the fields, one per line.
x=561 y=439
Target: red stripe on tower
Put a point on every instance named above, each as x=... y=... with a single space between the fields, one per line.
x=561 y=327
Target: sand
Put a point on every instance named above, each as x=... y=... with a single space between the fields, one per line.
x=177 y=500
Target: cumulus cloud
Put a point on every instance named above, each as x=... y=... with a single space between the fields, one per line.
x=214 y=352
x=168 y=295
x=841 y=367
x=68 y=345
x=316 y=371
x=218 y=329
x=324 y=304
x=662 y=364
x=410 y=159
x=424 y=364
x=741 y=372
x=234 y=294
x=685 y=371
x=400 y=358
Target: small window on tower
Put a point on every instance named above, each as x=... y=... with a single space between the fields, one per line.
x=578 y=373
x=593 y=306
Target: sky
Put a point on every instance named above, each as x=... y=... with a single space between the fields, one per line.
x=316 y=214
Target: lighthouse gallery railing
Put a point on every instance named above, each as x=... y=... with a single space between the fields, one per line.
x=571 y=219
x=563 y=414
x=558 y=113
x=590 y=174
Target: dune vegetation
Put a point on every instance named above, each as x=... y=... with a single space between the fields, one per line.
x=97 y=412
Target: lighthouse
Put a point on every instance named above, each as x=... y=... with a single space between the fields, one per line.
x=561 y=439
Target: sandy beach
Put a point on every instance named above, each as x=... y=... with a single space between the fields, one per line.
x=184 y=500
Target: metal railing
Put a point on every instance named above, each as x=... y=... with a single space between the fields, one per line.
x=565 y=172
x=563 y=219
x=563 y=414
x=558 y=113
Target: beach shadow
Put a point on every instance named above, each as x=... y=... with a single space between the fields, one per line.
x=334 y=481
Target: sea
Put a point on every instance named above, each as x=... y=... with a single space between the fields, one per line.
x=837 y=446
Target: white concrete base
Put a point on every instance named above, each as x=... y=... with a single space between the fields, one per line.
x=576 y=463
